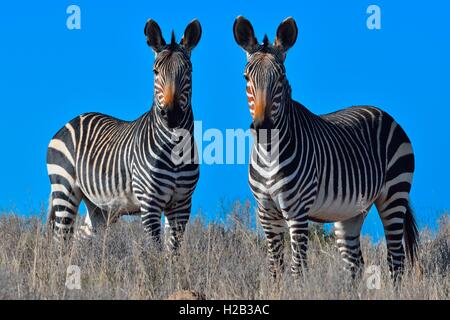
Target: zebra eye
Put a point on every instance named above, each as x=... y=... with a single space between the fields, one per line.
x=246 y=77
x=156 y=72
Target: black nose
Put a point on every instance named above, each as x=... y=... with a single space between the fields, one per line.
x=266 y=123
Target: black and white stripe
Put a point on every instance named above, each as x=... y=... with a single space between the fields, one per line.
x=118 y=167
x=329 y=168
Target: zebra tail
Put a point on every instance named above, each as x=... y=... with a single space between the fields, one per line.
x=50 y=213
x=411 y=234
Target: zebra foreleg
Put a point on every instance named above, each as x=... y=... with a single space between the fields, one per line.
x=178 y=217
x=274 y=229
x=298 y=231
x=348 y=241
x=151 y=212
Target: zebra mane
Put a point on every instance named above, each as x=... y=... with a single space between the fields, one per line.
x=173 y=45
x=173 y=40
x=265 y=41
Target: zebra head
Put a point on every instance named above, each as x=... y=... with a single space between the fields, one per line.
x=267 y=86
x=173 y=72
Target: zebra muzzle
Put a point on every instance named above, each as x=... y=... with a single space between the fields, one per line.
x=263 y=123
x=172 y=115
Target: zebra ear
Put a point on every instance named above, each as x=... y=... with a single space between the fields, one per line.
x=244 y=34
x=155 y=39
x=286 y=35
x=192 y=35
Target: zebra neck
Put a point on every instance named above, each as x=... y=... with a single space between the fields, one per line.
x=292 y=124
x=285 y=121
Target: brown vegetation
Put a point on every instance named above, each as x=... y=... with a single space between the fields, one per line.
x=216 y=261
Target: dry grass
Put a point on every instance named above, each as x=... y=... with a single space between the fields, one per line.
x=221 y=261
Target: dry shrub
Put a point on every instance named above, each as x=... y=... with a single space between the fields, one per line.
x=218 y=260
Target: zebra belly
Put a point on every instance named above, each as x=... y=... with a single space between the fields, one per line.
x=121 y=204
x=338 y=211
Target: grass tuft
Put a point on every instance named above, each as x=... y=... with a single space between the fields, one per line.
x=217 y=260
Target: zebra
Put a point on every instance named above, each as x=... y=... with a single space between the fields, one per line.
x=118 y=167
x=323 y=168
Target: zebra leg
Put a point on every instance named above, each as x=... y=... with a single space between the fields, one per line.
x=178 y=217
x=65 y=200
x=95 y=219
x=166 y=229
x=393 y=203
x=298 y=230
x=64 y=210
x=274 y=228
x=348 y=241
x=392 y=212
x=151 y=212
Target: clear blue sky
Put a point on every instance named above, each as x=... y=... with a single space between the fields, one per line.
x=49 y=74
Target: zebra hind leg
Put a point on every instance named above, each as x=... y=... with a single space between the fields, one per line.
x=95 y=220
x=393 y=204
x=65 y=192
x=398 y=223
x=63 y=210
x=348 y=242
